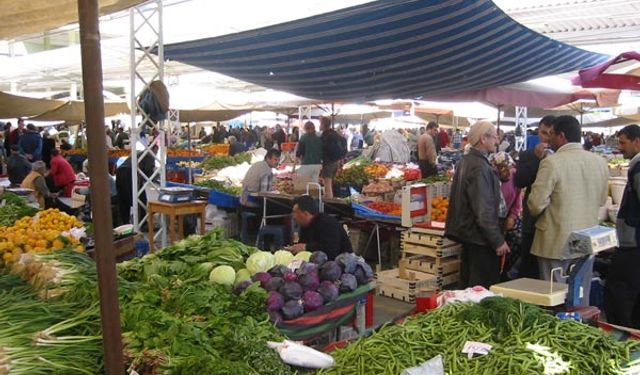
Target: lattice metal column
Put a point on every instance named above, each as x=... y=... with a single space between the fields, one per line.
x=147 y=136
x=521 y=128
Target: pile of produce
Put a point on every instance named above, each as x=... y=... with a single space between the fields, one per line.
x=220 y=187
x=353 y=176
x=174 y=320
x=376 y=170
x=216 y=149
x=188 y=164
x=221 y=161
x=435 y=179
x=119 y=153
x=378 y=187
x=389 y=208
x=76 y=151
x=283 y=185
x=412 y=174
x=183 y=153
x=439 y=209
x=301 y=283
x=47 y=231
x=15 y=207
x=524 y=339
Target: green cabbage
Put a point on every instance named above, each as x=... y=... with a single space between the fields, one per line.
x=242 y=275
x=223 y=275
x=262 y=261
x=303 y=255
x=283 y=257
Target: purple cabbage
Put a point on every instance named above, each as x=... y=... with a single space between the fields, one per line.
x=312 y=300
x=318 y=258
x=242 y=286
x=330 y=271
x=306 y=268
x=274 y=284
x=278 y=270
x=363 y=273
x=275 y=301
x=328 y=290
x=310 y=281
x=263 y=278
x=292 y=309
x=347 y=262
x=348 y=283
x=291 y=290
x=275 y=317
x=290 y=276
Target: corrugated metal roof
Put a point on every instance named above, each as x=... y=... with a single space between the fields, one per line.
x=579 y=22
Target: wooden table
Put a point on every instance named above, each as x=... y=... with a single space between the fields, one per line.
x=174 y=211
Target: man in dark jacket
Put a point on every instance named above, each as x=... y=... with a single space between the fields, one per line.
x=528 y=164
x=474 y=208
x=622 y=287
x=319 y=231
x=18 y=167
x=334 y=149
x=31 y=144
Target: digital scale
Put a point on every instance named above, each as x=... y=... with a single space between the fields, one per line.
x=176 y=195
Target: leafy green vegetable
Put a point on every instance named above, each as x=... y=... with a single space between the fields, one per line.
x=15 y=208
x=221 y=161
x=220 y=187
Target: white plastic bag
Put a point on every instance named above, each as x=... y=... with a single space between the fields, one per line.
x=434 y=366
x=296 y=354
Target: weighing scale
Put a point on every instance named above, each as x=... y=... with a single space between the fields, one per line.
x=176 y=195
x=586 y=242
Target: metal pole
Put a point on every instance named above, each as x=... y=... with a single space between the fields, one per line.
x=100 y=202
x=498 y=119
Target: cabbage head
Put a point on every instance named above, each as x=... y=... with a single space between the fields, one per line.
x=223 y=275
x=242 y=275
x=261 y=261
x=283 y=257
x=303 y=255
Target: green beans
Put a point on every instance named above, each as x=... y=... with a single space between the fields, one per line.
x=511 y=327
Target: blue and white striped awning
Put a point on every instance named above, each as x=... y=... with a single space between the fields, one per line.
x=387 y=49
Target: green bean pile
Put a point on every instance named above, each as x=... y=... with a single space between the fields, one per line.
x=510 y=326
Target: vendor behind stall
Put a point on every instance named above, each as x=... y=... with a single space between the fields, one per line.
x=61 y=175
x=36 y=182
x=259 y=178
x=318 y=231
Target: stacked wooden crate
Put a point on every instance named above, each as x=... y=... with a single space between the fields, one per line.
x=429 y=262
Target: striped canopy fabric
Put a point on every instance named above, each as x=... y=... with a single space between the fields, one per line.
x=387 y=49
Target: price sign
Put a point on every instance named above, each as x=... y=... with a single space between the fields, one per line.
x=472 y=347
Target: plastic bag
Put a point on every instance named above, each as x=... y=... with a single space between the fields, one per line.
x=296 y=354
x=434 y=366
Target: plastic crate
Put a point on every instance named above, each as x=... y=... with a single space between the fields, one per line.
x=223 y=200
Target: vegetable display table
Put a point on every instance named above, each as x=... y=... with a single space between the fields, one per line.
x=329 y=317
x=175 y=211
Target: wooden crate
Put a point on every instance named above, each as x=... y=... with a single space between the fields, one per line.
x=405 y=288
x=434 y=252
x=431 y=265
x=431 y=238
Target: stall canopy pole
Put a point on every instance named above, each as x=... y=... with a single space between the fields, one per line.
x=498 y=118
x=100 y=192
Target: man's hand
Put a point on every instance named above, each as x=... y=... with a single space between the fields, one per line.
x=295 y=249
x=540 y=150
x=503 y=249
x=510 y=223
x=54 y=195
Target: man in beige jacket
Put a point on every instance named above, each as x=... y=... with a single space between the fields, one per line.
x=570 y=187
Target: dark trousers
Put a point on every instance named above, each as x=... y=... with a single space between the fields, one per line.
x=480 y=266
x=427 y=169
x=528 y=264
x=622 y=288
x=124 y=186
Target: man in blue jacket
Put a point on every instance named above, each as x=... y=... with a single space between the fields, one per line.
x=31 y=144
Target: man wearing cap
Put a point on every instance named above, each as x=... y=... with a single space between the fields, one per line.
x=36 y=182
x=474 y=206
x=528 y=164
x=31 y=144
x=570 y=187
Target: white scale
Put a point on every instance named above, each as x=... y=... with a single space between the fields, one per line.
x=176 y=195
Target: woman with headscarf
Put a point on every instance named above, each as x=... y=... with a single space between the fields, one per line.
x=511 y=214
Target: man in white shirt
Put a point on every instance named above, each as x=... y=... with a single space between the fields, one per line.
x=259 y=178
